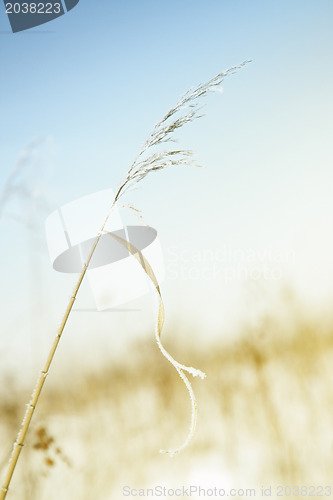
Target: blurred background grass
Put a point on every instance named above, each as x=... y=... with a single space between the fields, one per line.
x=109 y=405
x=265 y=415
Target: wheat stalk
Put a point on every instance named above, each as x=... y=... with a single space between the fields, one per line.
x=140 y=168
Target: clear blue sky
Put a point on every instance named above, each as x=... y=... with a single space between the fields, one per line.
x=97 y=79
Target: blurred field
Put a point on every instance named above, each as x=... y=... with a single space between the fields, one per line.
x=265 y=417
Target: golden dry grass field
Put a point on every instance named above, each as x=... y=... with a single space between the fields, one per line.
x=264 y=417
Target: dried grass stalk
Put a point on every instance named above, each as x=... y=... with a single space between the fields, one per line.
x=142 y=166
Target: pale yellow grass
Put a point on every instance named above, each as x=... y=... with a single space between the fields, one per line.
x=265 y=417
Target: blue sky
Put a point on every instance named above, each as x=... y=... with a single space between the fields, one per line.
x=96 y=80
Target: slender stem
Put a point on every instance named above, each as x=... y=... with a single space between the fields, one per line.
x=19 y=442
x=161 y=133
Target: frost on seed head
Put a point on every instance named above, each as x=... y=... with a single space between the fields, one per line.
x=185 y=111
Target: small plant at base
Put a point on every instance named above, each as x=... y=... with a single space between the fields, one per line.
x=140 y=168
